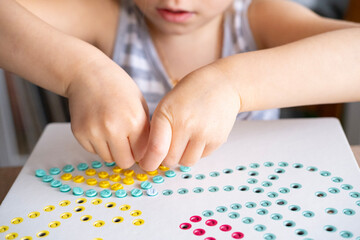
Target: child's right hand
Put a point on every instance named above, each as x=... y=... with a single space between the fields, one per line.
x=109 y=115
x=193 y=119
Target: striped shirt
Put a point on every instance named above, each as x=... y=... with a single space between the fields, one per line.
x=134 y=51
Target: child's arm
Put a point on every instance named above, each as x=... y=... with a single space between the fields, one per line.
x=108 y=113
x=278 y=22
x=197 y=116
x=320 y=68
x=93 y=21
x=316 y=70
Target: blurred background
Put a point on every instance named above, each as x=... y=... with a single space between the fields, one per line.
x=25 y=109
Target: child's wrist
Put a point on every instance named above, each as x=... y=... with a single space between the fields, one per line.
x=236 y=71
x=88 y=65
x=222 y=73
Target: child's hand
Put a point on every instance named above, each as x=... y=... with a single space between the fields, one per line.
x=109 y=115
x=192 y=120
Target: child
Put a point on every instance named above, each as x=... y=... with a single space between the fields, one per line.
x=205 y=48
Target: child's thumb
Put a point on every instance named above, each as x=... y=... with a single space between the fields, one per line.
x=158 y=144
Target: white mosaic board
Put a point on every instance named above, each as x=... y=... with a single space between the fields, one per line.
x=286 y=179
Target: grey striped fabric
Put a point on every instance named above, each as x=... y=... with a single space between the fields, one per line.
x=136 y=54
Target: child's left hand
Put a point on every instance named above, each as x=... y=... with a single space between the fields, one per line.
x=192 y=120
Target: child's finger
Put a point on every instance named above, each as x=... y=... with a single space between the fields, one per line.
x=159 y=143
x=178 y=145
x=193 y=153
x=121 y=152
x=84 y=141
x=86 y=144
x=139 y=140
x=102 y=149
x=209 y=148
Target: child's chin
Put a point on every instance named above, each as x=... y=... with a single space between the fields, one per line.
x=175 y=29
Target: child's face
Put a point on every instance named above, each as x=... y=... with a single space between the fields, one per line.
x=181 y=16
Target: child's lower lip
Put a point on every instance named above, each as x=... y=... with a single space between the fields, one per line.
x=174 y=16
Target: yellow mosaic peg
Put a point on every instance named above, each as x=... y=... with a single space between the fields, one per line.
x=110 y=205
x=163 y=168
x=42 y=234
x=124 y=207
x=17 y=220
x=65 y=215
x=129 y=173
x=116 y=186
x=26 y=238
x=11 y=236
x=152 y=173
x=90 y=172
x=128 y=180
x=103 y=174
x=116 y=169
x=86 y=218
x=117 y=219
x=96 y=201
x=79 y=179
x=79 y=209
x=135 y=213
x=91 y=181
x=33 y=214
x=115 y=178
x=49 y=208
x=99 y=223
x=64 y=203
x=3 y=229
x=104 y=184
x=81 y=200
x=138 y=222
x=54 y=224
x=141 y=177
x=66 y=176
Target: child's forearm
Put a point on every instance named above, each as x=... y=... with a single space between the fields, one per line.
x=34 y=50
x=320 y=69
